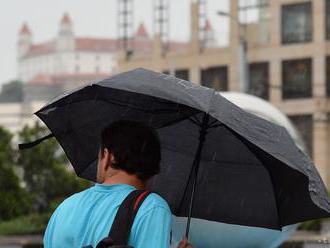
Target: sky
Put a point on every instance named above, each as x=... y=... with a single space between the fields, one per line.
x=95 y=18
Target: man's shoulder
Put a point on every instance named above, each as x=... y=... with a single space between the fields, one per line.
x=152 y=223
x=73 y=199
x=154 y=201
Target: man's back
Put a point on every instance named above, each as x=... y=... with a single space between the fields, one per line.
x=86 y=217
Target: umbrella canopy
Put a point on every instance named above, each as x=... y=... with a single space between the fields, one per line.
x=219 y=162
x=211 y=234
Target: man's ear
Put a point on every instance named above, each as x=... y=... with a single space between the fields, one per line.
x=109 y=158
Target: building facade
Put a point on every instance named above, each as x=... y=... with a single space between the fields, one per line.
x=288 y=63
x=66 y=54
x=68 y=61
x=287 y=55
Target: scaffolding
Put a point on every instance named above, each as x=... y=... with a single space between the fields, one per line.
x=202 y=23
x=125 y=26
x=162 y=22
x=256 y=8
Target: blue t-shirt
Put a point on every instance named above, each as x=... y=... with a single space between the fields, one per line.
x=85 y=218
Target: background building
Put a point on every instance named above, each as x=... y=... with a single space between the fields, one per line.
x=68 y=61
x=50 y=68
x=68 y=58
x=282 y=56
x=65 y=55
x=287 y=62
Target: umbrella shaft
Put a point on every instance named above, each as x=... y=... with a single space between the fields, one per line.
x=197 y=159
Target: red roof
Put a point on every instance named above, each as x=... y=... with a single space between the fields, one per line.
x=140 y=46
x=141 y=31
x=25 y=29
x=66 y=19
x=42 y=79
x=42 y=48
x=96 y=45
x=86 y=76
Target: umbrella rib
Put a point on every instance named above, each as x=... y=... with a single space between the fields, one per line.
x=194 y=120
x=82 y=171
x=216 y=125
x=156 y=127
x=133 y=106
x=103 y=118
x=275 y=198
x=222 y=162
x=173 y=121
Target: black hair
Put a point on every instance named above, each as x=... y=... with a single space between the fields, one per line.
x=135 y=146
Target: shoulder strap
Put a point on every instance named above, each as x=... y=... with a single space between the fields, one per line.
x=122 y=224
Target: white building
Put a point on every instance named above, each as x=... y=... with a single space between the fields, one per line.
x=68 y=58
x=67 y=61
x=65 y=55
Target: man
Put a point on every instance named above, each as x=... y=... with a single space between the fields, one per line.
x=129 y=156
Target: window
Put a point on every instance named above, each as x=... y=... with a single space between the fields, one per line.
x=215 y=77
x=182 y=74
x=296 y=78
x=296 y=23
x=327 y=19
x=328 y=76
x=304 y=125
x=259 y=79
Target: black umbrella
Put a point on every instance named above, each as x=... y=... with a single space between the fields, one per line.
x=219 y=162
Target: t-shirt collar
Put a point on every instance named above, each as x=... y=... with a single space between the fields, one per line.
x=112 y=187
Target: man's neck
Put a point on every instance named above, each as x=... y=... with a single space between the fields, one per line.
x=124 y=178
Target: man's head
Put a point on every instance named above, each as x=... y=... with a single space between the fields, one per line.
x=131 y=147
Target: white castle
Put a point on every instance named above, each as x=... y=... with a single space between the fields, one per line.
x=68 y=59
x=49 y=68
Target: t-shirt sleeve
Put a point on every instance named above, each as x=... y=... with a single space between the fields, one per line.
x=153 y=229
x=49 y=233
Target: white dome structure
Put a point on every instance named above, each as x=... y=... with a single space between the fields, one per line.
x=264 y=109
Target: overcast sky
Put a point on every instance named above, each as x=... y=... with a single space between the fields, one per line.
x=91 y=18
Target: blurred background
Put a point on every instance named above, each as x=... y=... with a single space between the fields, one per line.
x=277 y=50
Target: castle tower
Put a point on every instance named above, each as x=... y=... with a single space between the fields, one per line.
x=65 y=40
x=24 y=40
x=141 y=33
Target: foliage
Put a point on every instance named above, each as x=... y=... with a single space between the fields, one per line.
x=45 y=171
x=12 y=92
x=312 y=225
x=45 y=176
x=29 y=224
x=14 y=199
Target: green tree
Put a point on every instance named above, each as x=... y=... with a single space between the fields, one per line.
x=14 y=199
x=45 y=170
x=12 y=92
